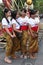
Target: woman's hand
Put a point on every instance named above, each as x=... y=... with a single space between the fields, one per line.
x=14 y=35
x=36 y=35
x=28 y=32
x=33 y=35
x=20 y=31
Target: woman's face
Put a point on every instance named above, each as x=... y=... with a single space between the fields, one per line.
x=23 y=13
x=8 y=14
x=17 y=16
x=28 y=14
x=33 y=16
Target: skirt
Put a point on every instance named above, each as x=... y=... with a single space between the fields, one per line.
x=12 y=44
x=25 y=42
x=33 y=46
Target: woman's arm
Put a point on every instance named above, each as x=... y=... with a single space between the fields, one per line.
x=38 y=27
x=14 y=27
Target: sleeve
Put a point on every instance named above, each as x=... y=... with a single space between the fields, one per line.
x=4 y=22
x=37 y=20
x=19 y=20
x=13 y=21
x=29 y=21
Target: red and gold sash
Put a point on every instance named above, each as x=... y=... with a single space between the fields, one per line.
x=24 y=27
x=10 y=29
x=35 y=28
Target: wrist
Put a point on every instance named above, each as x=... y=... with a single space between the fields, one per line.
x=11 y=35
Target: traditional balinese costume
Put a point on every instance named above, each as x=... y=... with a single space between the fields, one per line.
x=33 y=47
x=16 y=40
x=10 y=46
x=24 y=27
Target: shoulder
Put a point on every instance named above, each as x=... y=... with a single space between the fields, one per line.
x=37 y=19
x=19 y=19
x=30 y=19
x=13 y=21
x=3 y=19
x=4 y=22
x=26 y=17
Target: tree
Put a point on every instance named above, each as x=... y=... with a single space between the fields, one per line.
x=1 y=14
x=38 y=5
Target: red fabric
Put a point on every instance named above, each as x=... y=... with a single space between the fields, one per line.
x=10 y=29
x=35 y=28
x=24 y=28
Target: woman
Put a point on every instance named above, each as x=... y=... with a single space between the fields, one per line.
x=16 y=25
x=23 y=21
x=34 y=28
x=9 y=35
x=16 y=28
x=28 y=13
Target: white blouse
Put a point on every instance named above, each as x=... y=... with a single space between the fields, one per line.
x=5 y=23
x=37 y=20
x=17 y=25
x=33 y=22
x=23 y=21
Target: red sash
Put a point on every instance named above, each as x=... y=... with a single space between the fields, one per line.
x=10 y=29
x=24 y=28
x=35 y=28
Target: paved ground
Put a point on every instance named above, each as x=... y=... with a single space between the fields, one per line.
x=37 y=61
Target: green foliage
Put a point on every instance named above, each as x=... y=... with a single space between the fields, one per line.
x=1 y=14
x=38 y=5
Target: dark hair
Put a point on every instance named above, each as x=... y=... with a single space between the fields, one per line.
x=32 y=12
x=24 y=10
x=13 y=14
x=6 y=10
